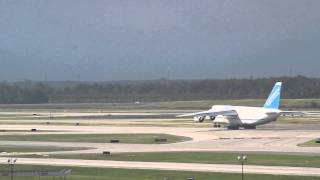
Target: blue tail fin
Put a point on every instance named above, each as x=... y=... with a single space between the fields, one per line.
x=273 y=100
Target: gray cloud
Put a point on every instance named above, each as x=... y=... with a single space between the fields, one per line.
x=122 y=39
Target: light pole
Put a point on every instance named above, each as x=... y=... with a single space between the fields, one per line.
x=242 y=159
x=11 y=163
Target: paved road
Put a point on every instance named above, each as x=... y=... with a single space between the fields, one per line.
x=223 y=168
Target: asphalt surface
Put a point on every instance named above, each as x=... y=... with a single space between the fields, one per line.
x=204 y=139
x=271 y=138
x=222 y=168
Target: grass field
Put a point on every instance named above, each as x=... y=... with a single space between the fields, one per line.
x=203 y=104
x=198 y=104
x=129 y=174
x=96 y=138
x=204 y=157
x=299 y=120
x=311 y=143
x=40 y=114
x=12 y=148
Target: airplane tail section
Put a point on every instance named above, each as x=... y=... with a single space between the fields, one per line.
x=273 y=100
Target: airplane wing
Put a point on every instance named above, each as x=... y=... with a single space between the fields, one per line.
x=211 y=113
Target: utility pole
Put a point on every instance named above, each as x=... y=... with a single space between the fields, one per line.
x=242 y=159
x=11 y=163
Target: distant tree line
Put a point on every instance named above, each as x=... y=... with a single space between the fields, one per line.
x=23 y=92
x=154 y=90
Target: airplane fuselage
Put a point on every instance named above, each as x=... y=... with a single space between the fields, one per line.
x=250 y=115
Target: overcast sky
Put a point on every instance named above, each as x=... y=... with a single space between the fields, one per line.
x=98 y=40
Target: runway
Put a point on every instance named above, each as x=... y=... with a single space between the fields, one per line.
x=221 y=168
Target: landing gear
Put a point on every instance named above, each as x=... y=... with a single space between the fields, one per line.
x=215 y=125
x=249 y=127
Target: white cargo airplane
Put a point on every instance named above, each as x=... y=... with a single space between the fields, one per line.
x=243 y=116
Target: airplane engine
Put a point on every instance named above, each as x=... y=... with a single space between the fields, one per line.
x=199 y=119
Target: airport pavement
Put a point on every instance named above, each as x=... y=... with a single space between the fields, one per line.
x=222 y=168
x=204 y=139
x=269 y=139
